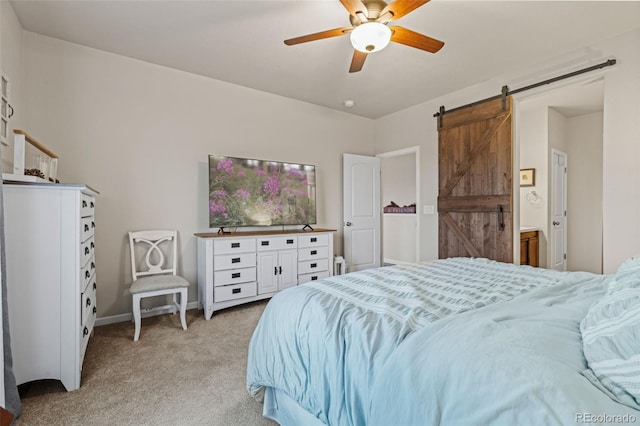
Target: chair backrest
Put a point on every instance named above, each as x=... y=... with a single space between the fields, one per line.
x=158 y=248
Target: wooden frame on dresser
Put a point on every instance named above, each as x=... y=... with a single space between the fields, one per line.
x=243 y=267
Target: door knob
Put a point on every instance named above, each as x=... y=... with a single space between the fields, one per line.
x=347 y=224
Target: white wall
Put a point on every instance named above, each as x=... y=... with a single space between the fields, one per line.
x=140 y=134
x=532 y=135
x=584 y=190
x=621 y=147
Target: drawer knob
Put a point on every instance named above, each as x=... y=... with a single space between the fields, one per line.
x=86 y=228
x=264 y=243
x=95 y=309
x=94 y=286
x=236 y=290
x=86 y=250
x=85 y=332
x=314 y=252
x=314 y=265
x=314 y=239
x=84 y=203
x=235 y=275
x=289 y=241
x=314 y=278
x=235 y=245
x=92 y=205
x=88 y=302
x=235 y=260
x=87 y=274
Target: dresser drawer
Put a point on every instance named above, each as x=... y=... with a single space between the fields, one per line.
x=233 y=245
x=87 y=205
x=87 y=250
x=305 y=278
x=88 y=271
x=238 y=291
x=234 y=276
x=88 y=301
x=234 y=261
x=87 y=227
x=276 y=243
x=311 y=266
x=312 y=253
x=313 y=240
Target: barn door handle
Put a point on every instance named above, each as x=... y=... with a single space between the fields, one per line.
x=501 y=217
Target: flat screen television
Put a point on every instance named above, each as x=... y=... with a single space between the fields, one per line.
x=250 y=192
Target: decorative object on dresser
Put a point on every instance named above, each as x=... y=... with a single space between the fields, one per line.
x=246 y=266
x=157 y=275
x=51 y=278
x=45 y=165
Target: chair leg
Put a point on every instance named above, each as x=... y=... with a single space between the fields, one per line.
x=183 y=308
x=136 y=316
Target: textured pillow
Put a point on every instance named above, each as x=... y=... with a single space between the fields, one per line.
x=611 y=335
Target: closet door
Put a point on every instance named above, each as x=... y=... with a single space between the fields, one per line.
x=475 y=182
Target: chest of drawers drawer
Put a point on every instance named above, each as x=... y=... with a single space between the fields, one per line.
x=234 y=245
x=314 y=276
x=87 y=227
x=313 y=240
x=312 y=266
x=312 y=253
x=276 y=243
x=234 y=276
x=234 y=261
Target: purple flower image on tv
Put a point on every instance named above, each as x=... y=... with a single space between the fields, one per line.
x=250 y=192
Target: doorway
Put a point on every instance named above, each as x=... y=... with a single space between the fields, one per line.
x=568 y=120
x=400 y=198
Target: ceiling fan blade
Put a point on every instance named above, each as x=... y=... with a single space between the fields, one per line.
x=357 y=61
x=318 y=36
x=413 y=39
x=354 y=7
x=399 y=8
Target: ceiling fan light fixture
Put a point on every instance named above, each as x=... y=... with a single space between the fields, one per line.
x=370 y=37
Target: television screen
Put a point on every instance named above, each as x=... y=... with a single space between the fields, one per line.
x=248 y=192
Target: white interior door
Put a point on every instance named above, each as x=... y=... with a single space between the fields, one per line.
x=558 y=210
x=361 y=205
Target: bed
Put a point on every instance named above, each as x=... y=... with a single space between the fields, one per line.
x=455 y=341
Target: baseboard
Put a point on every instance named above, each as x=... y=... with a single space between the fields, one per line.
x=145 y=313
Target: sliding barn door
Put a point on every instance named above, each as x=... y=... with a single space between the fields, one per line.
x=475 y=182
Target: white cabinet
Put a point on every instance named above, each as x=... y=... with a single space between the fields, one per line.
x=243 y=267
x=277 y=263
x=51 y=279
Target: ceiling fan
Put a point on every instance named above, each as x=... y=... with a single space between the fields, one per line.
x=370 y=31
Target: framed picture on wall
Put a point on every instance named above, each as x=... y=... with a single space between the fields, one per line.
x=527 y=177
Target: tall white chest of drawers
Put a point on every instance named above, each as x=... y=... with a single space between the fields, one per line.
x=51 y=279
x=246 y=266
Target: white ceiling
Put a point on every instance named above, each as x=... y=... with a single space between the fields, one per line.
x=241 y=42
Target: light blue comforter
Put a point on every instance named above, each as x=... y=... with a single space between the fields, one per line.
x=335 y=346
x=516 y=363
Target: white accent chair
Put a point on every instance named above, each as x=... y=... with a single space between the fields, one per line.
x=154 y=276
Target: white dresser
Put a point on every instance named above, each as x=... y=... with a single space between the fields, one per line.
x=51 y=279
x=246 y=266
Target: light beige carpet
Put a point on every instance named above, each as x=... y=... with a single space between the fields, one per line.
x=168 y=377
